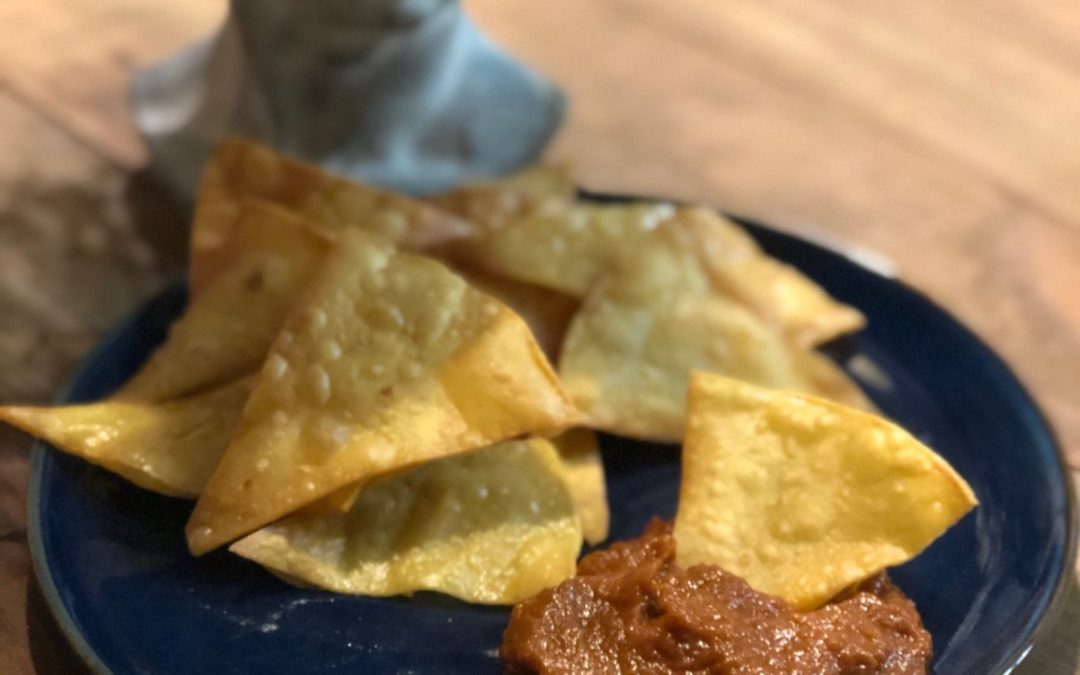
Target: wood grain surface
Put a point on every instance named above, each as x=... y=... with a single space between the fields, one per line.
x=942 y=139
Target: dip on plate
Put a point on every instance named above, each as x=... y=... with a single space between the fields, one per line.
x=631 y=609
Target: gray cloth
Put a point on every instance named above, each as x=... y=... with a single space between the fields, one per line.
x=407 y=94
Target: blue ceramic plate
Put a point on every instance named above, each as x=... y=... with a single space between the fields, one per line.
x=113 y=565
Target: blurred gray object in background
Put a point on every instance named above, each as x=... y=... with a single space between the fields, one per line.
x=402 y=93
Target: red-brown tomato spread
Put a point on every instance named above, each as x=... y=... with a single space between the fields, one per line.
x=631 y=609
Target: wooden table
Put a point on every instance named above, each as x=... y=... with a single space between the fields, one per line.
x=943 y=137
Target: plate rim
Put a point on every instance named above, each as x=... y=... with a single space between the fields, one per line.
x=1052 y=608
x=39 y=453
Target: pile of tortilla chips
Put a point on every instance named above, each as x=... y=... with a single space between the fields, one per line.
x=361 y=395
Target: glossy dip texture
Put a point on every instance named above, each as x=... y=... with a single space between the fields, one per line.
x=631 y=609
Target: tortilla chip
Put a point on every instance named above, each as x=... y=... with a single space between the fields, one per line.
x=548 y=313
x=775 y=291
x=568 y=248
x=340 y=500
x=389 y=361
x=565 y=249
x=170 y=448
x=583 y=470
x=492 y=526
x=226 y=332
x=626 y=367
x=241 y=169
x=657 y=316
x=803 y=497
x=492 y=204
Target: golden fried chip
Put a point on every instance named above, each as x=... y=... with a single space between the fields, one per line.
x=226 y=332
x=389 y=361
x=775 y=291
x=241 y=169
x=338 y=501
x=548 y=313
x=491 y=204
x=626 y=366
x=170 y=448
x=803 y=497
x=654 y=318
x=493 y=526
x=583 y=471
x=567 y=248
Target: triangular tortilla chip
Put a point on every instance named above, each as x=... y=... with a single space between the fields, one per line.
x=775 y=291
x=170 y=448
x=226 y=332
x=565 y=249
x=548 y=313
x=583 y=470
x=626 y=366
x=803 y=497
x=338 y=501
x=657 y=316
x=241 y=169
x=492 y=204
x=389 y=361
x=492 y=526
x=568 y=248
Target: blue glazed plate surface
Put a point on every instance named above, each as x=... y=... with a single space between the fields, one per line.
x=116 y=573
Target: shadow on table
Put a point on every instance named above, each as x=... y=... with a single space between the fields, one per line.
x=50 y=650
